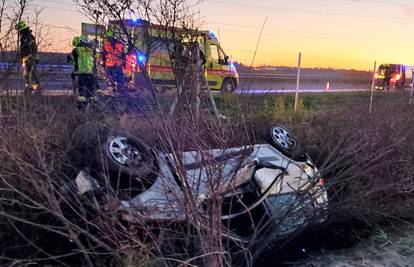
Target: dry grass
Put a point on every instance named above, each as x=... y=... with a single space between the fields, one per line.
x=386 y=247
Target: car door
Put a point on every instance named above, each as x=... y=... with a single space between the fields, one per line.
x=214 y=67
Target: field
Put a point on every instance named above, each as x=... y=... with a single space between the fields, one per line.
x=366 y=160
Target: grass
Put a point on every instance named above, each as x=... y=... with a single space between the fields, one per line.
x=386 y=247
x=309 y=102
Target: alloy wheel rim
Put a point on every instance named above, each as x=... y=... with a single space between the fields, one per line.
x=283 y=137
x=123 y=152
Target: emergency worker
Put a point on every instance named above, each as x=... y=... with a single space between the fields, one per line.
x=113 y=57
x=28 y=58
x=82 y=60
x=131 y=66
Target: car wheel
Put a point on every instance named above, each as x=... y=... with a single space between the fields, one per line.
x=284 y=140
x=128 y=155
x=132 y=165
x=228 y=86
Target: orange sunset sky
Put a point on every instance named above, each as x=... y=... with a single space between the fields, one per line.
x=329 y=33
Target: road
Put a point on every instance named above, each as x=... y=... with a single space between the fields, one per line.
x=291 y=91
x=55 y=80
x=69 y=92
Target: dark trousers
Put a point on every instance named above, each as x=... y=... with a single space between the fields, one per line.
x=86 y=85
x=30 y=72
x=116 y=75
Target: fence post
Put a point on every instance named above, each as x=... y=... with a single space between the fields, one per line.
x=298 y=82
x=412 y=87
x=372 y=87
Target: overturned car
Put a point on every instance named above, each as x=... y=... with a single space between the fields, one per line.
x=258 y=186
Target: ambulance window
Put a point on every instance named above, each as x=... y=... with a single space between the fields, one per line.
x=214 y=53
x=222 y=56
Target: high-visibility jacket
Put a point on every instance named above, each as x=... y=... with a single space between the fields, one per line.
x=113 y=53
x=85 y=60
x=82 y=59
x=131 y=65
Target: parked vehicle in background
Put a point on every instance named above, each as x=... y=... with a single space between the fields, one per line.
x=152 y=40
x=393 y=76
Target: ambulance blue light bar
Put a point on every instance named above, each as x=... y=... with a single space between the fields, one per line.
x=213 y=35
x=140 y=58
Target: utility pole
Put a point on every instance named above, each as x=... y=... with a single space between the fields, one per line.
x=412 y=87
x=372 y=87
x=298 y=82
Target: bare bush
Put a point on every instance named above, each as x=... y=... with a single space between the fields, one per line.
x=366 y=159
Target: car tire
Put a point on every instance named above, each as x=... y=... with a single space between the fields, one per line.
x=127 y=155
x=228 y=86
x=132 y=166
x=283 y=140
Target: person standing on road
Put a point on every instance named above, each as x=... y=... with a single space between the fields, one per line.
x=130 y=67
x=73 y=61
x=113 y=56
x=82 y=60
x=28 y=57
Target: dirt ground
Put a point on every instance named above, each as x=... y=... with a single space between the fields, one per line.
x=385 y=248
